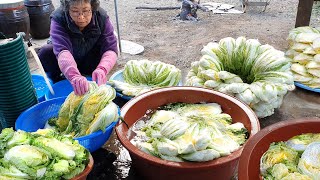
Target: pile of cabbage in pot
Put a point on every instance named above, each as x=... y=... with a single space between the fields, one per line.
x=257 y=74
x=143 y=75
x=83 y=115
x=298 y=158
x=304 y=50
x=40 y=155
x=188 y=132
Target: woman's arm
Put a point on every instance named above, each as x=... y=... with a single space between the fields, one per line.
x=62 y=48
x=60 y=38
x=108 y=40
x=109 y=50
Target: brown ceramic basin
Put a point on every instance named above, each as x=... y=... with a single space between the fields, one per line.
x=150 y=167
x=249 y=164
x=86 y=171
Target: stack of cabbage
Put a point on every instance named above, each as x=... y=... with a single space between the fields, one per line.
x=40 y=155
x=304 y=50
x=259 y=75
x=297 y=158
x=83 y=115
x=143 y=75
x=189 y=132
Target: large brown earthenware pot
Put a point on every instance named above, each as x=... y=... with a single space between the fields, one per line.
x=249 y=164
x=151 y=167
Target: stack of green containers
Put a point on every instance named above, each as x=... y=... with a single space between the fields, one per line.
x=16 y=89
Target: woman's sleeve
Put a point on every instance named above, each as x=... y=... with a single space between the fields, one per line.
x=108 y=40
x=62 y=48
x=60 y=38
x=109 y=48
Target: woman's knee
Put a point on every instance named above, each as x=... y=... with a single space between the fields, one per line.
x=46 y=52
x=49 y=61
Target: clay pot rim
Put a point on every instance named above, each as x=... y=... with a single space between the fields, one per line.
x=184 y=165
x=86 y=171
x=253 y=142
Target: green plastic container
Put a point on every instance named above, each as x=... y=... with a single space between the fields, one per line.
x=17 y=92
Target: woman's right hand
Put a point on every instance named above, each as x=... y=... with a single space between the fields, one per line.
x=80 y=85
x=69 y=68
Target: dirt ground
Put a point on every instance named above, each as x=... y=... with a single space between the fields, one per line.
x=179 y=42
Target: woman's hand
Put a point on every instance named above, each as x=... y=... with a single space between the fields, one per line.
x=80 y=85
x=107 y=61
x=69 y=68
x=99 y=76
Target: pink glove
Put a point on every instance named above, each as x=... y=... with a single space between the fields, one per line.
x=99 y=76
x=108 y=60
x=80 y=85
x=69 y=68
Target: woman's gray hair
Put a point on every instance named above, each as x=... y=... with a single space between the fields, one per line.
x=65 y=4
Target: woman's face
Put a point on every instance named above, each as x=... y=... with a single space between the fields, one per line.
x=81 y=14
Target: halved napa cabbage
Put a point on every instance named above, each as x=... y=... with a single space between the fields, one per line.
x=306 y=37
x=317 y=58
x=303 y=58
x=300 y=142
x=300 y=47
x=143 y=75
x=279 y=153
x=301 y=78
x=309 y=162
x=103 y=118
x=189 y=132
x=313 y=65
x=314 y=72
x=316 y=45
x=309 y=51
x=299 y=69
x=203 y=155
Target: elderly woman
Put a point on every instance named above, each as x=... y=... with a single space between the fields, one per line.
x=83 y=43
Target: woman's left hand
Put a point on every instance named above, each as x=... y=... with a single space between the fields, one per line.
x=99 y=76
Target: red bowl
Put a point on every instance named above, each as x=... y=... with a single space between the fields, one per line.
x=249 y=163
x=151 y=167
x=86 y=171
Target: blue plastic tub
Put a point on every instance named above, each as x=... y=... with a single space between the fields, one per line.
x=61 y=89
x=36 y=117
x=40 y=86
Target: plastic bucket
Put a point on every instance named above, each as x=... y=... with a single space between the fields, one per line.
x=39 y=14
x=40 y=86
x=14 y=18
x=61 y=89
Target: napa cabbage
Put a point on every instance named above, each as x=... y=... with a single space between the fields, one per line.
x=296 y=158
x=189 y=132
x=83 y=115
x=279 y=153
x=309 y=163
x=143 y=75
x=248 y=70
x=44 y=154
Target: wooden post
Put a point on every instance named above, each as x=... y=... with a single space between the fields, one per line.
x=304 y=13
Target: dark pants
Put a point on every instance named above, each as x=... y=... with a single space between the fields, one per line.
x=50 y=63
